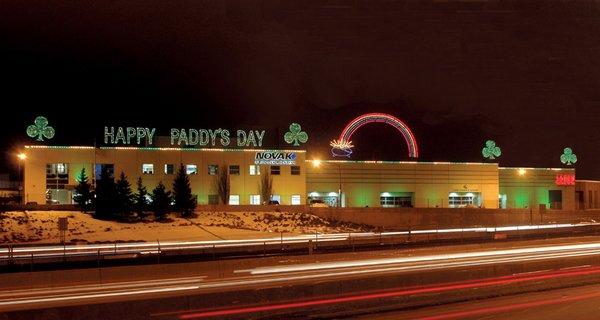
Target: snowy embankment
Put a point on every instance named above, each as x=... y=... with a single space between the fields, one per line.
x=42 y=227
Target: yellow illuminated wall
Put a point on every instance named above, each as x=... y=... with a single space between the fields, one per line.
x=431 y=183
x=130 y=160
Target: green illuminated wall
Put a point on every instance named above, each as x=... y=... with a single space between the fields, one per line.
x=529 y=187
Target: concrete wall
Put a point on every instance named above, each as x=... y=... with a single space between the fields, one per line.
x=424 y=218
x=130 y=160
x=431 y=183
x=589 y=193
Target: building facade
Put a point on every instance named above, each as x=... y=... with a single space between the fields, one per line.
x=51 y=174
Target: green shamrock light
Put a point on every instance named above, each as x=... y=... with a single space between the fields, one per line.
x=40 y=129
x=295 y=135
x=491 y=151
x=568 y=157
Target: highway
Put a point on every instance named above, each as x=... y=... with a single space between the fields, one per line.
x=389 y=275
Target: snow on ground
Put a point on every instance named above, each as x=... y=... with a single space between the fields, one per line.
x=42 y=227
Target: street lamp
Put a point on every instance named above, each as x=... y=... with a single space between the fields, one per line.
x=21 y=157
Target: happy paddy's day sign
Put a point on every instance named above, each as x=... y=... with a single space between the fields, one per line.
x=184 y=137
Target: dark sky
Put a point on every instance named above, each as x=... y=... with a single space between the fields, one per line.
x=524 y=73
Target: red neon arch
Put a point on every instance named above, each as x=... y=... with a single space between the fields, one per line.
x=344 y=142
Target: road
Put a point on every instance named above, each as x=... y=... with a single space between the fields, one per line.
x=335 y=281
x=579 y=303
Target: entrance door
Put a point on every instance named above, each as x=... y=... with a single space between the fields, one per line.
x=555 y=197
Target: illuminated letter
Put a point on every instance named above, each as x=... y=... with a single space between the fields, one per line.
x=182 y=137
x=241 y=138
x=130 y=134
x=260 y=135
x=174 y=135
x=213 y=135
x=251 y=138
x=141 y=133
x=109 y=134
x=225 y=138
x=120 y=135
x=193 y=137
x=150 y=134
x=203 y=137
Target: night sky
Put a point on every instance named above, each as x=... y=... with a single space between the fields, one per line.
x=524 y=73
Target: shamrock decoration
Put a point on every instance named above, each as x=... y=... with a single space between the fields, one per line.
x=295 y=135
x=40 y=129
x=491 y=151
x=568 y=157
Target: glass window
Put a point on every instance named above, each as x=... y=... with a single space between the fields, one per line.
x=213 y=169
x=109 y=167
x=295 y=199
x=396 y=201
x=148 y=168
x=213 y=199
x=234 y=169
x=255 y=199
x=295 y=170
x=234 y=199
x=169 y=169
x=191 y=169
x=275 y=199
x=275 y=170
x=254 y=170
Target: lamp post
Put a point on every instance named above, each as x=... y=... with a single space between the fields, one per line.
x=21 y=157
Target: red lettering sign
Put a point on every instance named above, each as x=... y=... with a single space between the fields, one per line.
x=565 y=180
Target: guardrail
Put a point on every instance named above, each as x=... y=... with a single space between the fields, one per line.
x=23 y=255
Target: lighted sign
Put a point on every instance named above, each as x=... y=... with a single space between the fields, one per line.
x=295 y=135
x=40 y=129
x=275 y=158
x=565 y=180
x=568 y=157
x=491 y=151
x=342 y=147
x=184 y=137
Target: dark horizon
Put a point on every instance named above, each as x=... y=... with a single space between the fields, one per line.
x=458 y=73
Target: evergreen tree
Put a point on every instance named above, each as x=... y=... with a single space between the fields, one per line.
x=106 y=195
x=124 y=197
x=161 y=201
x=265 y=186
x=141 y=200
x=185 y=201
x=83 y=192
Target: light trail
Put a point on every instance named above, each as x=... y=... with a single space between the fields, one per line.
x=396 y=293
x=567 y=249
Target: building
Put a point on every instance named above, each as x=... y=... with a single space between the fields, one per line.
x=51 y=174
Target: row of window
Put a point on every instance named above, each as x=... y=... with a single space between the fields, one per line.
x=234 y=199
x=213 y=169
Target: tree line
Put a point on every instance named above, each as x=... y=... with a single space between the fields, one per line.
x=114 y=199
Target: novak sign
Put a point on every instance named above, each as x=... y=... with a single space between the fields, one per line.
x=275 y=158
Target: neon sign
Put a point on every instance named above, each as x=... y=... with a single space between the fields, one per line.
x=40 y=129
x=568 y=157
x=184 y=137
x=342 y=147
x=491 y=151
x=565 y=180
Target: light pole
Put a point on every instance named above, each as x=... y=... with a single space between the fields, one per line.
x=21 y=157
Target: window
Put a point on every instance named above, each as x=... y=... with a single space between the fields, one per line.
x=275 y=198
x=295 y=199
x=254 y=170
x=213 y=169
x=109 y=167
x=275 y=170
x=255 y=199
x=295 y=170
x=169 y=169
x=234 y=199
x=57 y=175
x=234 y=169
x=191 y=169
x=396 y=201
x=213 y=199
x=148 y=168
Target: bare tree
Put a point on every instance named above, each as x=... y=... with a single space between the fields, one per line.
x=265 y=186
x=223 y=184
